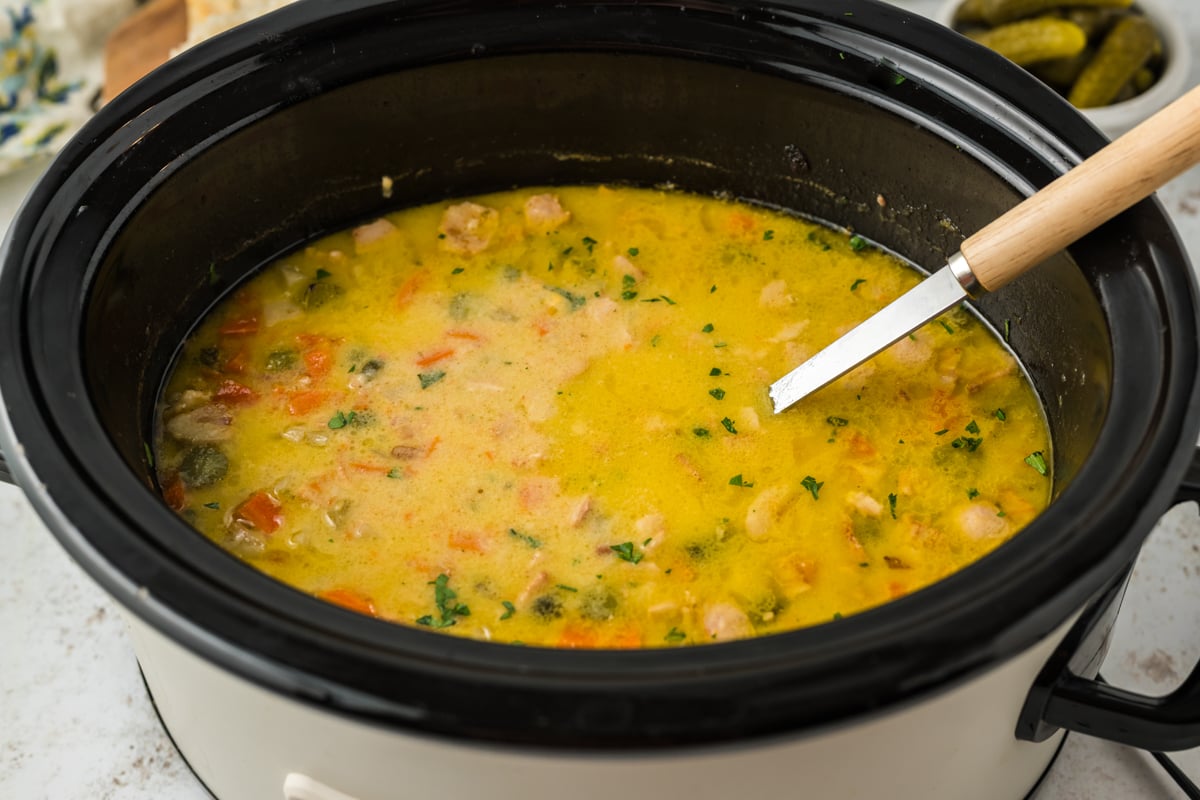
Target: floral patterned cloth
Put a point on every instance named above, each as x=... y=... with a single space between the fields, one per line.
x=51 y=73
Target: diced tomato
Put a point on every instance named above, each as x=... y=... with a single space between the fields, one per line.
x=174 y=493
x=349 y=599
x=231 y=392
x=435 y=357
x=262 y=511
x=301 y=404
x=244 y=326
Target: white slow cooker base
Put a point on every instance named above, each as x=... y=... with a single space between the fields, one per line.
x=246 y=743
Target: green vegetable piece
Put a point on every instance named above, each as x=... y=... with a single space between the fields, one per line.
x=813 y=486
x=1126 y=49
x=1032 y=40
x=857 y=243
x=718 y=393
x=598 y=604
x=428 y=379
x=203 y=465
x=738 y=480
x=444 y=598
x=892 y=505
x=319 y=293
x=509 y=610
x=727 y=423
x=675 y=636
x=281 y=360
x=1037 y=460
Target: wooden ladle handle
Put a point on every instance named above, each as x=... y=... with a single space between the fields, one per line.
x=1124 y=172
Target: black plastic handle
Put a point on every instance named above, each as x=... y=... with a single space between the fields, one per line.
x=1067 y=694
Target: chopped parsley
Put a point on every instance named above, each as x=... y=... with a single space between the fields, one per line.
x=942 y=432
x=633 y=251
x=395 y=472
x=627 y=284
x=857 y=243
x=565 y=588
x=701 y=432
x=340 y=420
x=444 y=598
x=946 y=325
x=972 y=427
x=457 y=271
x=575 y=300
x=524 y=537
x=509 y=610
x=675 y=636
x=857 y=283
x=727 y=423
x=813 y=485
x=567 y=252
x=738 y=480
x=670 y=302
x=707 y=328
x=714 y=372
x=1037 y=461
x=589 y=243
x=768 y=235
x=892 y=504
x=718 y=393
x=428 y=379
x=837 y=422
x=968 y=443
x=972 y=493
x=625 y=552
x=322 y=274
x=712 y=288
x=1000 y=415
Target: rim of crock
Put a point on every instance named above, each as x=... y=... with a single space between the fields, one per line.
x=288 y=642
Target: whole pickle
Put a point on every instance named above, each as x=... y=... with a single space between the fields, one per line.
x=969 y=12
x=1126 y=49
x=1061 y=73
x=1095 y=21
x=1033 y=40
x=998 y=12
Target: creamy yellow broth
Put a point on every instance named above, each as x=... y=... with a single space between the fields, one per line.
x=541 y=416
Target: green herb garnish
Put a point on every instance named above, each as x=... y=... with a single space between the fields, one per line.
x=857 y=243
x=837 y=422
x=701 y=432
x=428 y=379
x=972 y=493
x=589 y=243
x=1000 y=415
x=728 y=425
x=1037 y=461
x=340 y=420
x=718 y=393
x=443 y=598
x=892 y=504
x=565 y=588
x=967 y=443
x=945 y=325
x=768 y=235
x=395 y=472
x=322 y=274
x=857 y=283
x=714 y=372
x=526 y=538
x=457 y=271
x=675 y=636
x=575 y=300
x=707 y=328
x=738 y=480
x=625 y=552
x=972 y=427
x=509 y=610
x=633 y=251
x=813 y=485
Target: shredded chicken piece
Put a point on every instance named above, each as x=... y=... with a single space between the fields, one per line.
x=982 y=520
x=206 y=424
x=372 y=231
x=776 y=295
x=724 y=622
x=766 y=509
x=545 y=210
x=865 y=504
x=468 y=227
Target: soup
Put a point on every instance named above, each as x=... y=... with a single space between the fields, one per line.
x=541 y=417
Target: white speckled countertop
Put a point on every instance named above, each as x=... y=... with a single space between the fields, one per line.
x=76 y=722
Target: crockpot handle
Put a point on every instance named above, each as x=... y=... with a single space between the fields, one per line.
x=1090 y=706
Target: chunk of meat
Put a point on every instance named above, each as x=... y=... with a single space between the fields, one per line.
x=766 y=509
x=205 y=424
x=724 y=622
x=982 y=520
x=468 y=227
x=372 y=232
x=910 y=351
x=580 y=511
x=776 y=295
x=865 y=504
x=545 y=211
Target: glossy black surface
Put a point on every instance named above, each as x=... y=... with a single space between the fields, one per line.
x=256 y=142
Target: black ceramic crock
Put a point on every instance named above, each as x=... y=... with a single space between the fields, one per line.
x=253 y=144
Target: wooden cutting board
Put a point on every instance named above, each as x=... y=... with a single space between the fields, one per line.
x=142 y=42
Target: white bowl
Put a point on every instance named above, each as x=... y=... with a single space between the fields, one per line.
x=1117 y=118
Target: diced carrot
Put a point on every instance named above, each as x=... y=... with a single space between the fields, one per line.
x=233 y=393
x=542 y=327
x=624 y=639
x=245 y=326
x=349 y=599
x=433 y=446
x=380 y=469
x=408 y=290
x=474 y=337
x=433 y=358
x=861 y=447
x=174 y=493
x=301 y=404
x=262 y=511
x=465 y=541
x=740 y=222
x=318 y=362
x=897 y=589
x=575 y=636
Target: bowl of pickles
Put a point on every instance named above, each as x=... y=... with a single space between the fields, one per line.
x=1117 y=61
